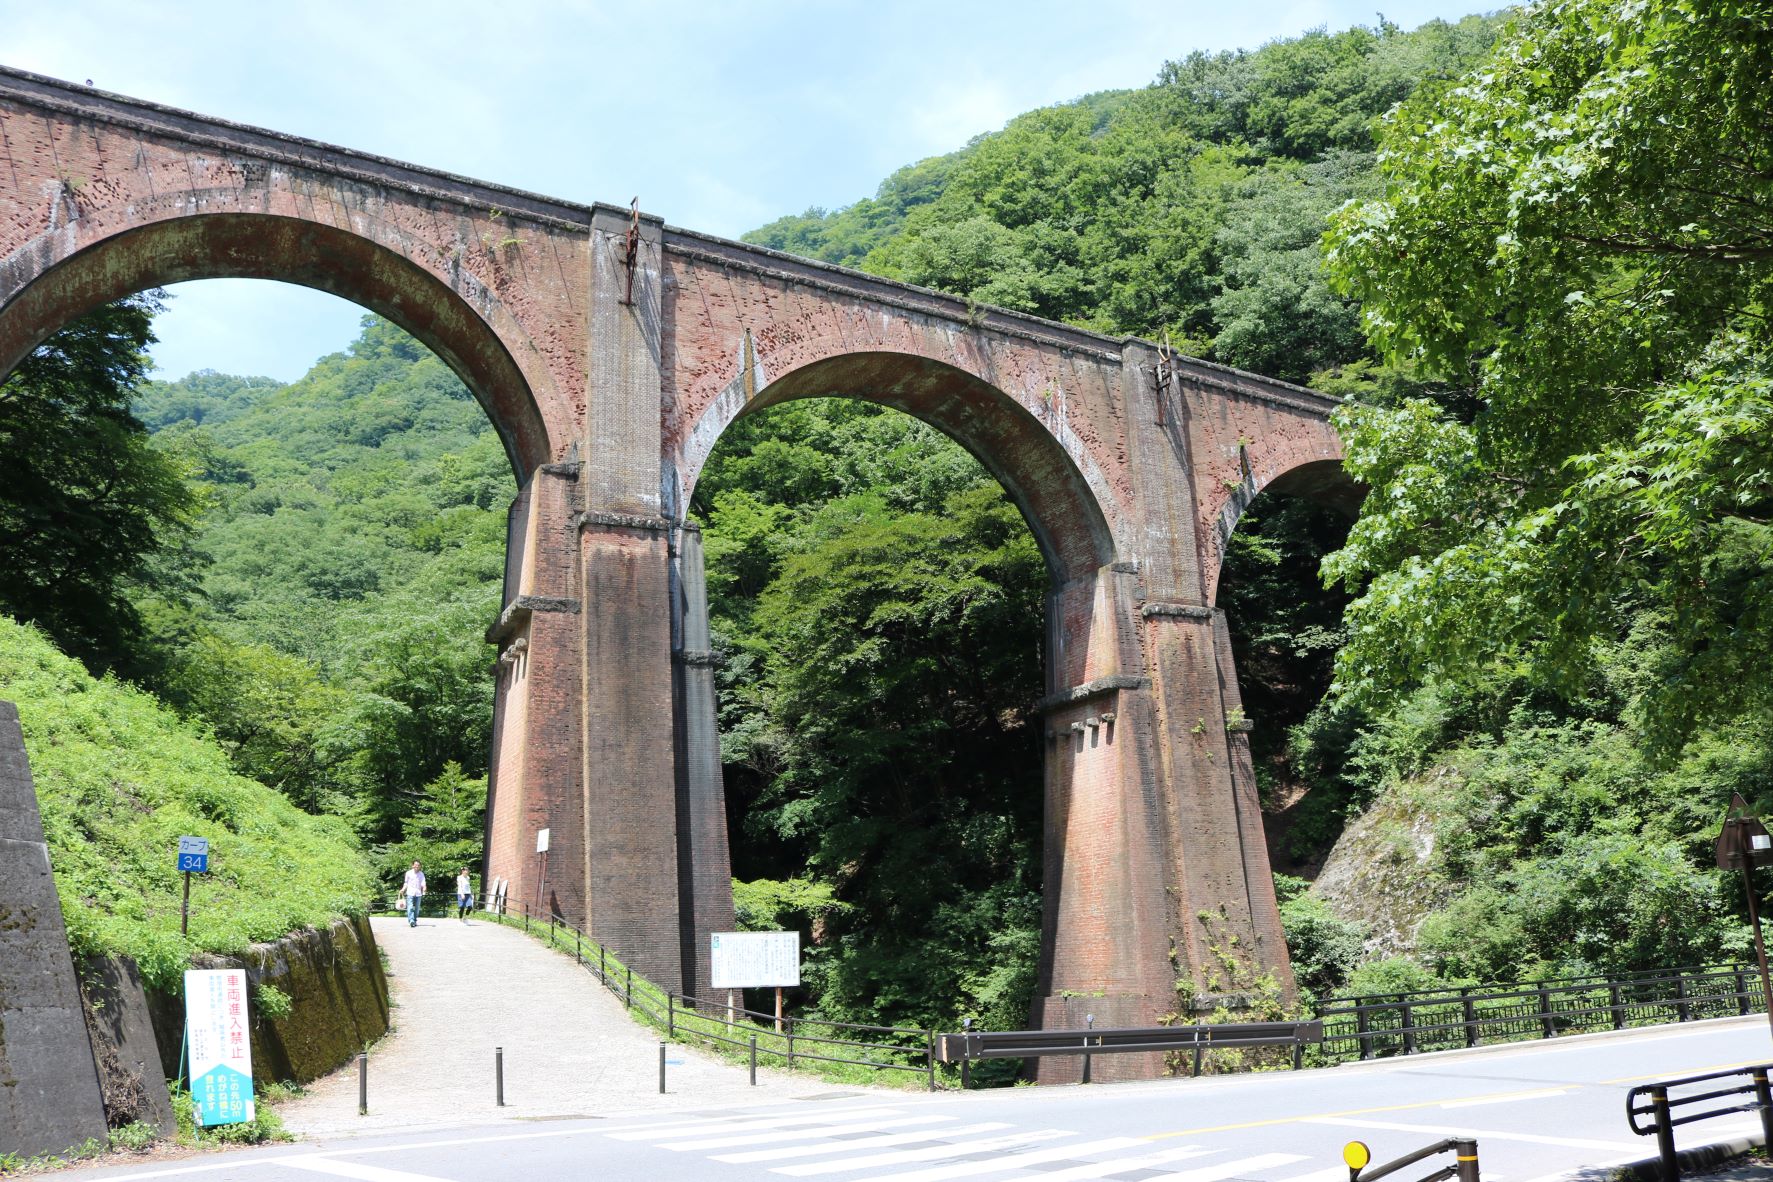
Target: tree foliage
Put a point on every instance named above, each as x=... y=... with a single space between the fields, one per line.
x=355 y=539
x=880 y=601
x=1584 y=228
x=88 y=501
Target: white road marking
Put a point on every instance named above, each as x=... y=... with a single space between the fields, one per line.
x=345 y=1169
x=914 y=1155
x=1506 y=1098
x=714 y=1128
x=778 y=1135
x=1460 y=1131
x=1333 y=1174
x=1016 y=1161
x=864 y=1143
x=1101 y=1169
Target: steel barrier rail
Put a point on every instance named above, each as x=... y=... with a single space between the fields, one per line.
x=1661 y=1109
x=967 y=1046
x=1407 y=1022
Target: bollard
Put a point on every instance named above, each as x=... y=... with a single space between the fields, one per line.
x=1465 y=1152
x=363 y=1084
x=1665 y=1146
x=499 y=1075
x=753 y=1060
x=1089 y=1024
x=1764 y=1097
x=661 y=1069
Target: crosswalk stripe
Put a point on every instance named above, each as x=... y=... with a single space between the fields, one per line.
x=1338 y=1174
x=863 y=1126
x=712 y=1128
x=915 y=1155
x=1015 y=1161
x=1236 y=1169
x=864 y=1143
x=1102 y=1169
x=363 y=1173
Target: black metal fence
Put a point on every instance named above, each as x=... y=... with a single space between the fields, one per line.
x=1668 y=1112
x=1376 y=1026
x=1368 y=1027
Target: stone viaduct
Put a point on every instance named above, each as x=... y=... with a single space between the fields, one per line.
x=611 y=351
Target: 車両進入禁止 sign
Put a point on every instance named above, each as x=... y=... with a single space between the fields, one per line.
x=219 y=1045
x=754 y=960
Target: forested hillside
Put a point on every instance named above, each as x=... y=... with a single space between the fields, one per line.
x=350 y=557
x=1545 y=634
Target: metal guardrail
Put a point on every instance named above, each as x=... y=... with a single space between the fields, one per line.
x=1381 y=1025
x=968 y=1046
x=1660 y=1108
x=788 y=1042
x=1464 y=1167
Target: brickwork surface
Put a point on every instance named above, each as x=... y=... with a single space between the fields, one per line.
x=611 y=351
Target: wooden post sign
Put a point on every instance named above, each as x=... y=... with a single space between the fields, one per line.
x=220 y=1045
x=756 y=960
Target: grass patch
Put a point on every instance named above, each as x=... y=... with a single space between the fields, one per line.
x=120 y=778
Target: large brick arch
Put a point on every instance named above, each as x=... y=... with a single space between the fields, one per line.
x=58 y=276
x=611 y=351
x=1059 y=499
x=1321 y=480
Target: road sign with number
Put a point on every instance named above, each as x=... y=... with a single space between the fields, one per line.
x=194 y=855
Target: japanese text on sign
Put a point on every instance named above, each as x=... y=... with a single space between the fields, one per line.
x=751 y=960
x=220 y=1045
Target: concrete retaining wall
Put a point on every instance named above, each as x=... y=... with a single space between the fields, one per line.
x=338 y=994
x=49 y=1090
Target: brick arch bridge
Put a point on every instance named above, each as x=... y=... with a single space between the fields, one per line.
x=610 y=352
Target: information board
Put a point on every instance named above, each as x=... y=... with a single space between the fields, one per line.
x=219 y=1045
x=754 y=960
x=194 y=854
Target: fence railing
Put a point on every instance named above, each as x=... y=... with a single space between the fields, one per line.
x=1377 y=1026
x=1653 y=1100
x=791 y=1042
x=970 y=1045
x=1367 y=1027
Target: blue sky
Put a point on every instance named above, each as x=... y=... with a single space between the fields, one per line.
x=718 y=116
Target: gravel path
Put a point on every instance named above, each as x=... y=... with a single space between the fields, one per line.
x=461 y=989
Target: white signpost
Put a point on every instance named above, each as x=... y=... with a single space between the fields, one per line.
x=219 y=1045
x=755 y=960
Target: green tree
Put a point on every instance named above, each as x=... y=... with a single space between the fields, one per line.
x=87 y=500
x=1584 y=226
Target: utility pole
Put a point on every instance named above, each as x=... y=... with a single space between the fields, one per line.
x=1743 y=845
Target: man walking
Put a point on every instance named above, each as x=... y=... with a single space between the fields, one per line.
x=414 y=890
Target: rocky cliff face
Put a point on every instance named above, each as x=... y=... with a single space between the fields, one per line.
x=1379 y=873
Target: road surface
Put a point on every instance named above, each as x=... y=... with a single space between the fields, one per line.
x=1537 y=1110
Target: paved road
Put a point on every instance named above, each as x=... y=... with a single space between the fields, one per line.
x=1537 y=1110
x=461 y=989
